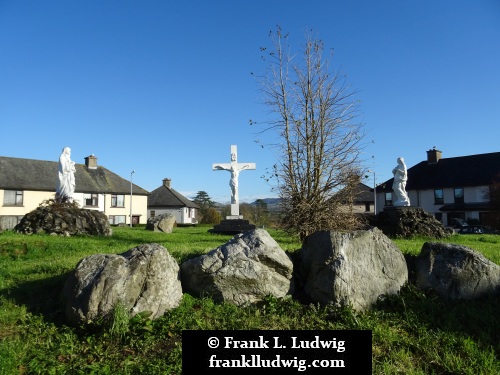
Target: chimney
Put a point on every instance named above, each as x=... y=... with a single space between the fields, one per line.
x=167 y=182
x=433 y=156
x=91 y=162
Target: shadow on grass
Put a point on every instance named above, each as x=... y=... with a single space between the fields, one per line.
x=43 y=296
x=420 y=310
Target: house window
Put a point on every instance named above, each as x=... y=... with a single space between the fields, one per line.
x=388 y=199
x=117 y=200
x=438 y=196
x=152 y=214
x=459 y=195
x=116 y=219
x=91 y=200
x=367 y=207
x=13 y=198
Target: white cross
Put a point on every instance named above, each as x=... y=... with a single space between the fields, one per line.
x=234 y=167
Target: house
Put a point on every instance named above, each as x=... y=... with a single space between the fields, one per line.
x=449 y=188
x=363 y=199
x=25 y=183
x=166 y=200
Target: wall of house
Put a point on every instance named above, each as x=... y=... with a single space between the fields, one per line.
x=139 y=206
x=425 y=200
x=360 y=208
x=11 y=215
x=32 y=199
x=183 y=215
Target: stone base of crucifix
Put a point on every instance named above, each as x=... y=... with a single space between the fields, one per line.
x=232 y=226
x=235 y=212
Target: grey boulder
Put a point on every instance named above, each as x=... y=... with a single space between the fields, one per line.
x=456 y=271
x=143 y=279
x=350 y=269
x=162 y=223
x=244 y=270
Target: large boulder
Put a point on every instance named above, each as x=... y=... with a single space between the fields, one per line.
x=456 y=271
x=161 y=223
x=145 y=278
x=350 y=269
x=244 y=270
x=64 y=219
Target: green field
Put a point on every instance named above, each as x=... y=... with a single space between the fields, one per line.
x=413 y=333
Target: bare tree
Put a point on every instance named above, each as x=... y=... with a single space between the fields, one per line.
x=313 y=112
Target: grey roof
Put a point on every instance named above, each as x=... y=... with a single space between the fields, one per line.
x=168 y=197
x=41 y=175
x=463 y=171
x=363 y=193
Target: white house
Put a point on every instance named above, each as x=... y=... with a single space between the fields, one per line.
x=449 y=188
x=25 y=183
x=166 y=200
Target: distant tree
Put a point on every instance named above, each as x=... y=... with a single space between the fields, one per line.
x=247 y=210
x=261 y=217
x=225 y=210
x=203 y=200
x=319 y=143
x=212 y=216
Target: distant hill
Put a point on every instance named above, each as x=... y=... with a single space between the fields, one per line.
x=273 y=204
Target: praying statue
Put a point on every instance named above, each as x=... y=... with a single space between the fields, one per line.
x=66 y=182
x=399 y=185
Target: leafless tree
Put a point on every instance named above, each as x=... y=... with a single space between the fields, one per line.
x=313 y=111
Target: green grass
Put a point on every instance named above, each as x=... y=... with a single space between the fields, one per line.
x=413 y=333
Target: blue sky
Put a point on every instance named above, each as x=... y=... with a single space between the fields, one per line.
x=165 y=87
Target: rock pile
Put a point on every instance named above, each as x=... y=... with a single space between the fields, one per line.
x=64 y=219
x=407 y=222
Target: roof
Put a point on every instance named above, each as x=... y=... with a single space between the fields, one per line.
x=41 y=175
x=363 y=193
x=462 y=171
x=168 y=197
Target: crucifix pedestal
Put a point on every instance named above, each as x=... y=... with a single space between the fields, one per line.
x=233 y=223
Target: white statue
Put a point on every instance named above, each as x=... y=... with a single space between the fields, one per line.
x=399 y=185
x=66 y=183
x=234 y=168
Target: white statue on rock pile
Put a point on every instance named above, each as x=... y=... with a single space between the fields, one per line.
x=66 y=182
x=399 y=185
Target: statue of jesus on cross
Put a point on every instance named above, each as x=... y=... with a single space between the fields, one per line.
x=234 y=168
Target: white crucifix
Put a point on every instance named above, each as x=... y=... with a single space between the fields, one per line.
x=234 y=167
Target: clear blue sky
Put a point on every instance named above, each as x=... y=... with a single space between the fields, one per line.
x=164 y=87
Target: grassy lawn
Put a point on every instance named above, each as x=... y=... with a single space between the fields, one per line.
x=413 y=333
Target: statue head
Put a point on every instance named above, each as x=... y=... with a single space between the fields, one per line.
x=66 y=150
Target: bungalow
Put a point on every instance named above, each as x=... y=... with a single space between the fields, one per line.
x=167 y=200
x=25 y=183
x=363 y=199
x=449 y=188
